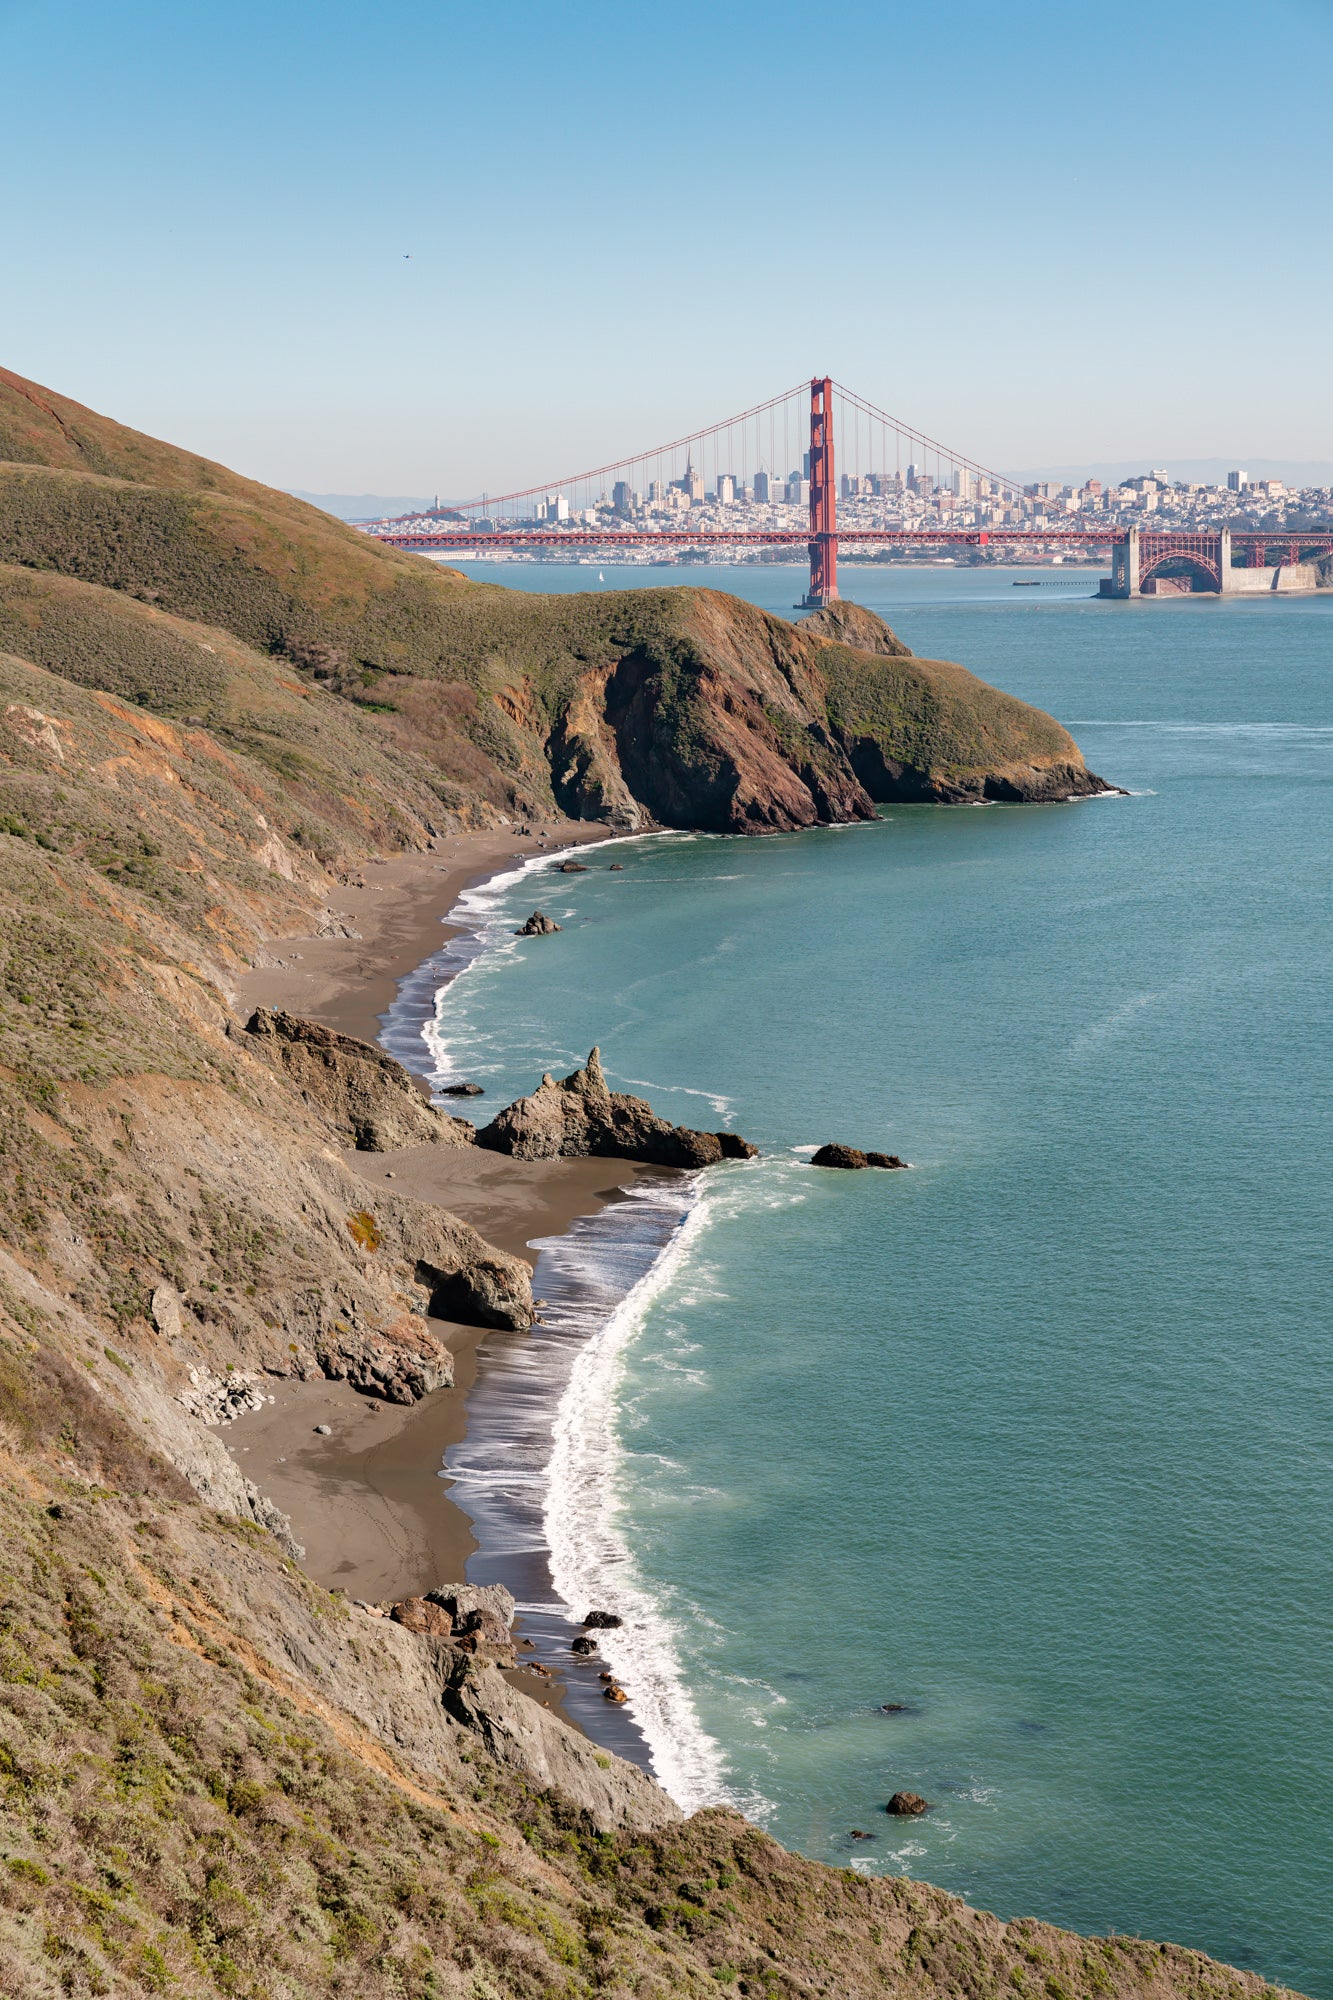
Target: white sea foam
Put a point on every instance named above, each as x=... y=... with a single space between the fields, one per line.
x=720 y=1104
x=489 y=940
x=1296 y=729
x=1111 y=1024
x=591 y=1563
x=540 y=1470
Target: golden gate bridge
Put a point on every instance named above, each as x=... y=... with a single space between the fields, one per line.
x=768 y=480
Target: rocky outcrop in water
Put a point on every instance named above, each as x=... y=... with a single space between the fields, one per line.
x=537 y=925
x=579 y=1116
x=852 y=1157
x=361 y=1090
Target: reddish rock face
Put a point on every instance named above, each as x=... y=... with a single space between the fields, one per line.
x=418 y=1616
x=735 y=721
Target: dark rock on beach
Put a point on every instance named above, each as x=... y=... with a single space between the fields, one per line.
x=464 y=1600
x=580 y=1117
x=461 y=1090
x=572 y=868
x=538 y=925
x=907 y=1805
x=583 y=1645
x=852 y=1157
x=473 y=1620
x=602 y=1621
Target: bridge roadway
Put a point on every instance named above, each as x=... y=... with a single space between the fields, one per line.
x=1142 y=560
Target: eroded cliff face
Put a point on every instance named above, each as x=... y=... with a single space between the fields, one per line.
x=748 y=724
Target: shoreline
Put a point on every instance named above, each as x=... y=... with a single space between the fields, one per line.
x=371 y=1501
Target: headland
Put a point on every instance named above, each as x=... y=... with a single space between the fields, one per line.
x=234 y=733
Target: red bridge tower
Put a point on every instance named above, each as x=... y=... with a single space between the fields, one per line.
x=823 y=499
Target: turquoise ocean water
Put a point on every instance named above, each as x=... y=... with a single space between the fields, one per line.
x=1036 y=1439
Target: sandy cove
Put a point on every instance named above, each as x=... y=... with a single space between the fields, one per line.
x=368 y=1501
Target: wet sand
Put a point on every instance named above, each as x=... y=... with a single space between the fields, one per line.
x=369 y=1501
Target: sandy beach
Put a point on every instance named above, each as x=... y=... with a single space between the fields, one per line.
x=348 y=982
x=368 y=1501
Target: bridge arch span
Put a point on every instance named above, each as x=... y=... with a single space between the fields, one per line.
x=1203 y=572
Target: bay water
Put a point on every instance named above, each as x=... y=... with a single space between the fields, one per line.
x=1033 y=1442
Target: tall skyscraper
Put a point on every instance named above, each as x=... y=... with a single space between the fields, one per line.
x=621 y=497
x=1236 y=482
x=762 y=491
x=726 y=488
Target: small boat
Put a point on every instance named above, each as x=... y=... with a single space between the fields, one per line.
x=600 y=577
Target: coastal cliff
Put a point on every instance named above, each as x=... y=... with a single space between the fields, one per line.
x=218 y=1776
x=676 y=707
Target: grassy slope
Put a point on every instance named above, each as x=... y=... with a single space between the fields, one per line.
x=478 y=675
x=182 y=1813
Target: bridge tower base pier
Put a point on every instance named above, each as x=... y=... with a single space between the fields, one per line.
x=1125 y=567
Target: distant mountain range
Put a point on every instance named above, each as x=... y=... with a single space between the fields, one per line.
x=364 y=506
x=1205 y=471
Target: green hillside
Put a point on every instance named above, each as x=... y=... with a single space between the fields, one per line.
x=483 y=681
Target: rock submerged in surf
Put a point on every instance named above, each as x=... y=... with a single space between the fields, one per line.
x=907 y=1805
x=851 y=1157
x=538 y=925
x=602 y=1621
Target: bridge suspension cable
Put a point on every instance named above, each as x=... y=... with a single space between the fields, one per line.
x=849 y=400
x=702 y=437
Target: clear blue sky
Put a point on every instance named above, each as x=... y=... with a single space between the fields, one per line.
x=1046 y=233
